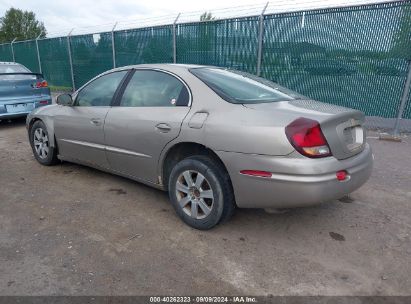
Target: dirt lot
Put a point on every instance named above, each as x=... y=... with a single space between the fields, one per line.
x=73 y=230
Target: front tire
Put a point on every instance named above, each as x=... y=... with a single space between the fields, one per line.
x=40 y=144
x=201 y=193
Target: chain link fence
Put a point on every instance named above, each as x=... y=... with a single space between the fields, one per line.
x=5 y=52
x=91 y=55
x=230 y=43
x=54 y=61
x=26 y=53
x=354 y=56
x=144 y=45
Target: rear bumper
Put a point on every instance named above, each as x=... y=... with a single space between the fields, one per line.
x=36 y=102
x=296 y=181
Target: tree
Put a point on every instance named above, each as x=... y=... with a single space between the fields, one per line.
x=20 y=24
x=206 y=17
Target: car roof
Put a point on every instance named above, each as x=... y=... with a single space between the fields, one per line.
x=9 y=63
x=170 y=67
x=165 y=66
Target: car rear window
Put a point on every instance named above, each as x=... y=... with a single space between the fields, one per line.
x=243 y=88
x=14 y=68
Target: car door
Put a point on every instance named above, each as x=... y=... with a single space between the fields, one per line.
x=149 y=115
x=79 y=128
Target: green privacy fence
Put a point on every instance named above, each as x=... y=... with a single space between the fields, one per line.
x=231 y=43
x=91 y=55
x=26 y=52
x=54 y=61
x=144 y=45
x=351 y=56
x=5 y=52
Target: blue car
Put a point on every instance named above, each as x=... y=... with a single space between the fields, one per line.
x=21 y=91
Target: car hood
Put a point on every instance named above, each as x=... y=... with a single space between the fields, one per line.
x=45 y=110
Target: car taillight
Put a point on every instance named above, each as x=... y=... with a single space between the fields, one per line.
x=42 y=84
x=307 y=138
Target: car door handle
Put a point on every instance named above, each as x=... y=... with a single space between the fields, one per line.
x=95 y=121
x=163 y=127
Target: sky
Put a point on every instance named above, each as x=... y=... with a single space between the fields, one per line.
x=88 y=16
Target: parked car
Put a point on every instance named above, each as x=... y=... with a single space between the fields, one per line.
x=330 y=67
x=21 y=91
x=216 y=139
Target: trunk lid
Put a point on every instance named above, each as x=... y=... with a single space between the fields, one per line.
x=16 y=86
x=342 y=127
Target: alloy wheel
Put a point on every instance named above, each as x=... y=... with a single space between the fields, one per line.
x=41 y=143
x=194 y=194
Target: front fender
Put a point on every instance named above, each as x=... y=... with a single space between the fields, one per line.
x=44 y=115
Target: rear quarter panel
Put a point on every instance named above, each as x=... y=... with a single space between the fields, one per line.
x=228 y=127
x=232 y=127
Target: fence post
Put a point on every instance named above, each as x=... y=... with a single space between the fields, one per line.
x=404 y=99
x=12 y=50
x=113 y=46
x=174 y=39
x=71 y=60
x=38 y=52
x=260 y=39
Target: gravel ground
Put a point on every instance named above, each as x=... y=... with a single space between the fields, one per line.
x=72 y=230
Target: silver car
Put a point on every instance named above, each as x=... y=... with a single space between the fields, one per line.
x=215 y=139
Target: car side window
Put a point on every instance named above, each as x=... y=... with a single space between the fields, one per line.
x=100 y=92
x=149 y=88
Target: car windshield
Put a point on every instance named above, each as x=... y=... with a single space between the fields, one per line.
x=243 y=88
x=14 y=68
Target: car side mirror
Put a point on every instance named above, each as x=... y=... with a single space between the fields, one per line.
x=64 y=100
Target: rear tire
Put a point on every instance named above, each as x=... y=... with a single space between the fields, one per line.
x=40 y=144
x=201 y=192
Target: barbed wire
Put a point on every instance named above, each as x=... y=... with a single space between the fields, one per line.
x=246 y=10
